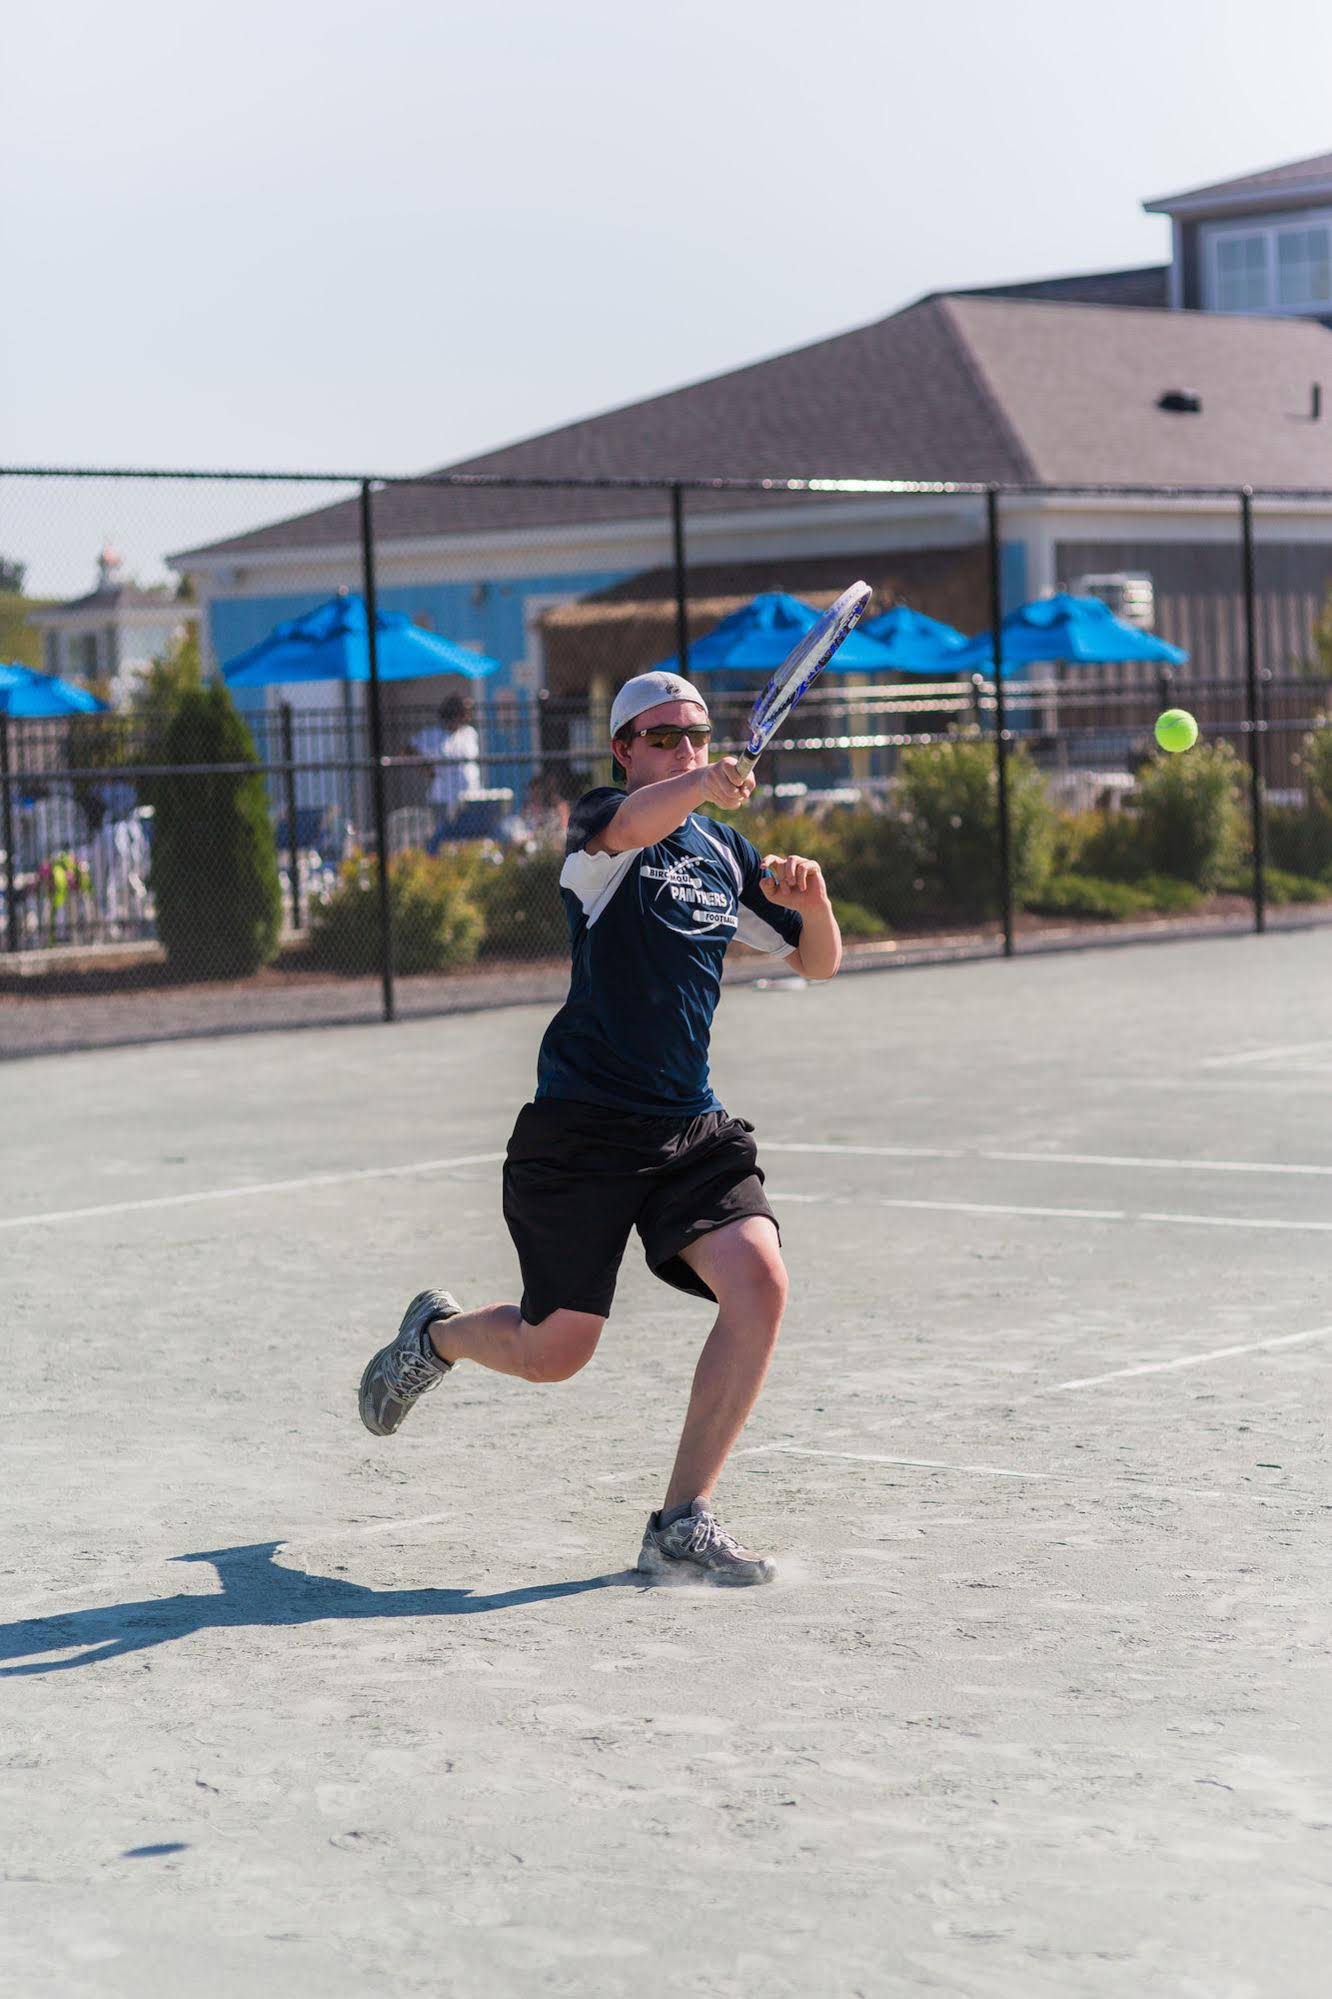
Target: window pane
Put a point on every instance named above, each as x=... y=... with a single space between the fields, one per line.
x=1304 y=266
x=1241 y=273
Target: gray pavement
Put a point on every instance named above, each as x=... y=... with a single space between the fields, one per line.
x=1039 y=1708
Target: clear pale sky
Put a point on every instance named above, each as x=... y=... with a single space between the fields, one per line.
x=344 y=235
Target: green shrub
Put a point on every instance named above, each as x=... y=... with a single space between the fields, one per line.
x=867 y=857
x=788 y=833
x=1192 y=822
x=1281 y=886
x=949 y=793
x=1169 y=896
x=1085 y=895
x=878 y=866
x=1315 y=760
x=854 y=920
x=1299 y=841
x=214 y=867
x=1109 y=846
x=520 y=903
x=436 y=924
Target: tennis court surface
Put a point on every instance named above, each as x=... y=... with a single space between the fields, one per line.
x=1040 y=1707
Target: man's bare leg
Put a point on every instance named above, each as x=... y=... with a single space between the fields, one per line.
x=498 y=1337
x=742 y=1265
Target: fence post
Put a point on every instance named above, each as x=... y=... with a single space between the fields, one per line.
x=293 y=844
x=1000 y=718
x=377 y=750
x=11 y=907
x=681 y=581
x=1257 y=725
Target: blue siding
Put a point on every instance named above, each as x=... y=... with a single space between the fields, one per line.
x=495 y=623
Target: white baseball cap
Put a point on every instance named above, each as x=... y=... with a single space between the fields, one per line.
x=650 y=690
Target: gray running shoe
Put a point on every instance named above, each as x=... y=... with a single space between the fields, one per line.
x=699 y=1547
x=401 y=1372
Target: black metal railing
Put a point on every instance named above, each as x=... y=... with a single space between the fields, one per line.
x=84 y=801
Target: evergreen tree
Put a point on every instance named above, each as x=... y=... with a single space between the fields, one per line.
x=214 y=871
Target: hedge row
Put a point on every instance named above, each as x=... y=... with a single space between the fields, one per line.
x=444 y=911
x=1184 y=837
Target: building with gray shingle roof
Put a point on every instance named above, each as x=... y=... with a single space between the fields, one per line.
x=1297 y=181
x=1074 y=382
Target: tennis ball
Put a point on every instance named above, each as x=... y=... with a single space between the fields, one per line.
x=1176 y=730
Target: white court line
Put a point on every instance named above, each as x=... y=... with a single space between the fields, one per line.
x=1187 y=1360
x=352 y=1175
x=362 y=1529
x=870 y=1151
x=1168 y=1165
x=1002 y=1208
x=1264 y=1054
x=1236 y=1222
x=987 y=1471
x=877 y=1458
x=1059 y=1214
x=253 y=1187
x=1051 y=1158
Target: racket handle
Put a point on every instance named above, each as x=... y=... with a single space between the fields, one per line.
x=745 y=763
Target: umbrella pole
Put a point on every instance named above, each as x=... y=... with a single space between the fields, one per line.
x=377 y=751
x=1000 y=718
x=11 y=908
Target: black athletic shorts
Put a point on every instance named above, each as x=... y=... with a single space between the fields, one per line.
x=578 y=1177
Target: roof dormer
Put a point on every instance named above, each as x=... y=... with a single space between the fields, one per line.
x=1259 y=244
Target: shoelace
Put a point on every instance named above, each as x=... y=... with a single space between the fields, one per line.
x=708 y=1532
x=409 y=1372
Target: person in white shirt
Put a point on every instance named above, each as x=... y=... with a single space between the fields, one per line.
x=454 y=748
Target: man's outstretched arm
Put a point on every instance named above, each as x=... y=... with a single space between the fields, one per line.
x=654 y=811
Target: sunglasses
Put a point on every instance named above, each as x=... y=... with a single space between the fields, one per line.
x=669 y=737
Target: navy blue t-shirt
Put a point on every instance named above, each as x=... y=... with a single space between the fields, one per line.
x=649 y=931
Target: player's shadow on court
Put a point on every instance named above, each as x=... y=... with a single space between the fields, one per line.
x=256 y=1590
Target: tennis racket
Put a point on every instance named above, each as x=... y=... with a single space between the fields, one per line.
x=799 y=670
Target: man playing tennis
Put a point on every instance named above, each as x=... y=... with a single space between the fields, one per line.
x=625 y=1131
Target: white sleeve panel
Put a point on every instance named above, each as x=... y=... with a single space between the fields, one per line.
x=594 y=878
x=761 y=936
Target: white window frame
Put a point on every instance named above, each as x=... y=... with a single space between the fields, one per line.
x=1269 y=228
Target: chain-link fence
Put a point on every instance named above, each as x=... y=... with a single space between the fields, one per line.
x=424 y=669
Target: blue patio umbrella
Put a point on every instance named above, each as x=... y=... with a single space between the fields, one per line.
x=758 y=636
x=331 y=643
x=25 y=693
x=917 y=644
x=1080 y=630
